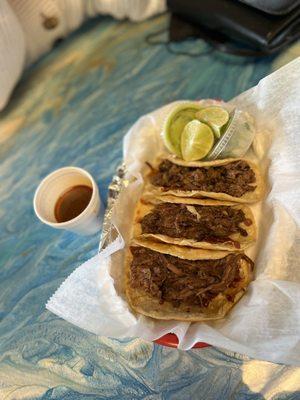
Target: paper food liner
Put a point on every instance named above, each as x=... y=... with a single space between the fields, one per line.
x=265 y=324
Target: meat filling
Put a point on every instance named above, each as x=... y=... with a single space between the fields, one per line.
x=235 y=178
x=171 y=279
x=212 y=224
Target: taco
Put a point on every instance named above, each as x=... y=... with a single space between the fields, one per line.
x=232 y=179
x=206 y=224
x=172 y=282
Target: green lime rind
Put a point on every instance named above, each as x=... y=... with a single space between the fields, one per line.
x=216 y=130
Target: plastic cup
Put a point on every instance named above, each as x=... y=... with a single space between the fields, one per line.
x=55 y=185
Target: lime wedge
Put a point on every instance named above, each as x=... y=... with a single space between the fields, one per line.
x=216 y=117
x=175 y=125
x=197 y=140
x=217 y=131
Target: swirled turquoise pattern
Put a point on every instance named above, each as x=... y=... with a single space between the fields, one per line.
x=73 y=108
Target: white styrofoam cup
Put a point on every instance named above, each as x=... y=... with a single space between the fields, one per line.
x=57 y=183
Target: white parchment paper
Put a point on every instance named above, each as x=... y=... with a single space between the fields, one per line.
x=265 y=324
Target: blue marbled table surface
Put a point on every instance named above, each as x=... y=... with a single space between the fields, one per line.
x=73 y=108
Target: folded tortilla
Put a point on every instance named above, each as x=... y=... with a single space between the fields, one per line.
x=213 y=188
x=172 y=282
x=175 y=220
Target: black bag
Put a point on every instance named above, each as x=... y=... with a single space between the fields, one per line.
x=241 y=27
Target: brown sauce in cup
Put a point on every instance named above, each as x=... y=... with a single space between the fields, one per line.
x=72 y=202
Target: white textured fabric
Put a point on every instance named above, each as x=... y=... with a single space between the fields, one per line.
x=32 y=14
x=70 y=14
x=12 y=51
x=24 y=38
x=136 y=10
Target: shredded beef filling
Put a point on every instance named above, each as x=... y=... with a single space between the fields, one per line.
x=234 y=178
x=178 y=281
x=212 y=224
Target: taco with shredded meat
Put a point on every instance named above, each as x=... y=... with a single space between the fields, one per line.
x=199 y=223
x=173 y=282
x=232 y=179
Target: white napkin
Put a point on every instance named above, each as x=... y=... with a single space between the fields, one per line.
x=265 y=324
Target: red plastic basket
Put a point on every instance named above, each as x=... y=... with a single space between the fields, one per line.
x=171 y=340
